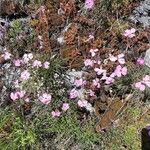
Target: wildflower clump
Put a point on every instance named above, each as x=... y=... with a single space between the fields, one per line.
x=36 y=84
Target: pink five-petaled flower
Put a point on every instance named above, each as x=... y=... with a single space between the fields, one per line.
x=88 y=62
x=89 y=4
x=65 y=106
x=93 y=52
x=46 y=65
x=91 y=93
x=14 y=96
x=37 y=64
x=120 y=58
x=6 y=55
x=25 y=75
x=96 y=83
x=82 y=103
x=17 y=62
x=73 y=93
x=21 y=94
x=130 y=33
x=27 y=57
x=16 y=84
x=112 y=58
x=79 y=82
x=109 y=80
x=45 y=98
x=119 y=71
x=146 y=80
x=140 y=61
x=140 y=86
x=99 y=71
x=55 y=113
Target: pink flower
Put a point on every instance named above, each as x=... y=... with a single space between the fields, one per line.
x=21 y=94
x=140 y=61
x=146 y=80
x=37 y=64
x=119 y=71
x=82 y=103
x=55 y=113
x=27 y=57
x=112 y=58
x=17 y=62
x=89 y=4
x=6 y=55
x=79 y=82
x=98 y=62
x=96 y=83
x=147 y=83
x=99 y=71
x=65 y=106
x=113 y=75
x=91 y=93
x=120 y=58
x=130 y=33
x=73 y=94
x=88 y=62
x=140 y=86
x=46 y=65
x=104 y=77
x=14 y=96
x=16 y=84
x=92 y=51
x=45 y=98
x=109 y=80
x=30 y=56
x=124 y=71
x=25 y=75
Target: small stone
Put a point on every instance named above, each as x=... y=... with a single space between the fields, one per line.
x=147 y=58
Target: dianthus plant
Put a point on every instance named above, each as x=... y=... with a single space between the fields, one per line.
x=98 y=74
x=39 y=82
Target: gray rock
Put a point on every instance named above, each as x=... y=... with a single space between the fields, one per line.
x=147 y=58
x=142 y=14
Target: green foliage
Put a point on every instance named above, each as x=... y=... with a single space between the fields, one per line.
x=131 y=138
x=45 y=132
x=16 y=134
x=20 y=37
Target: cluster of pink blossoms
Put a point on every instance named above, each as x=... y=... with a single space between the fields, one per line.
x=28 y=63
x=74 y=93
x=103 y=77
x=118 y=72
x=141 y=85
x=17 y=95
x=57 y=113
x=129 y=33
